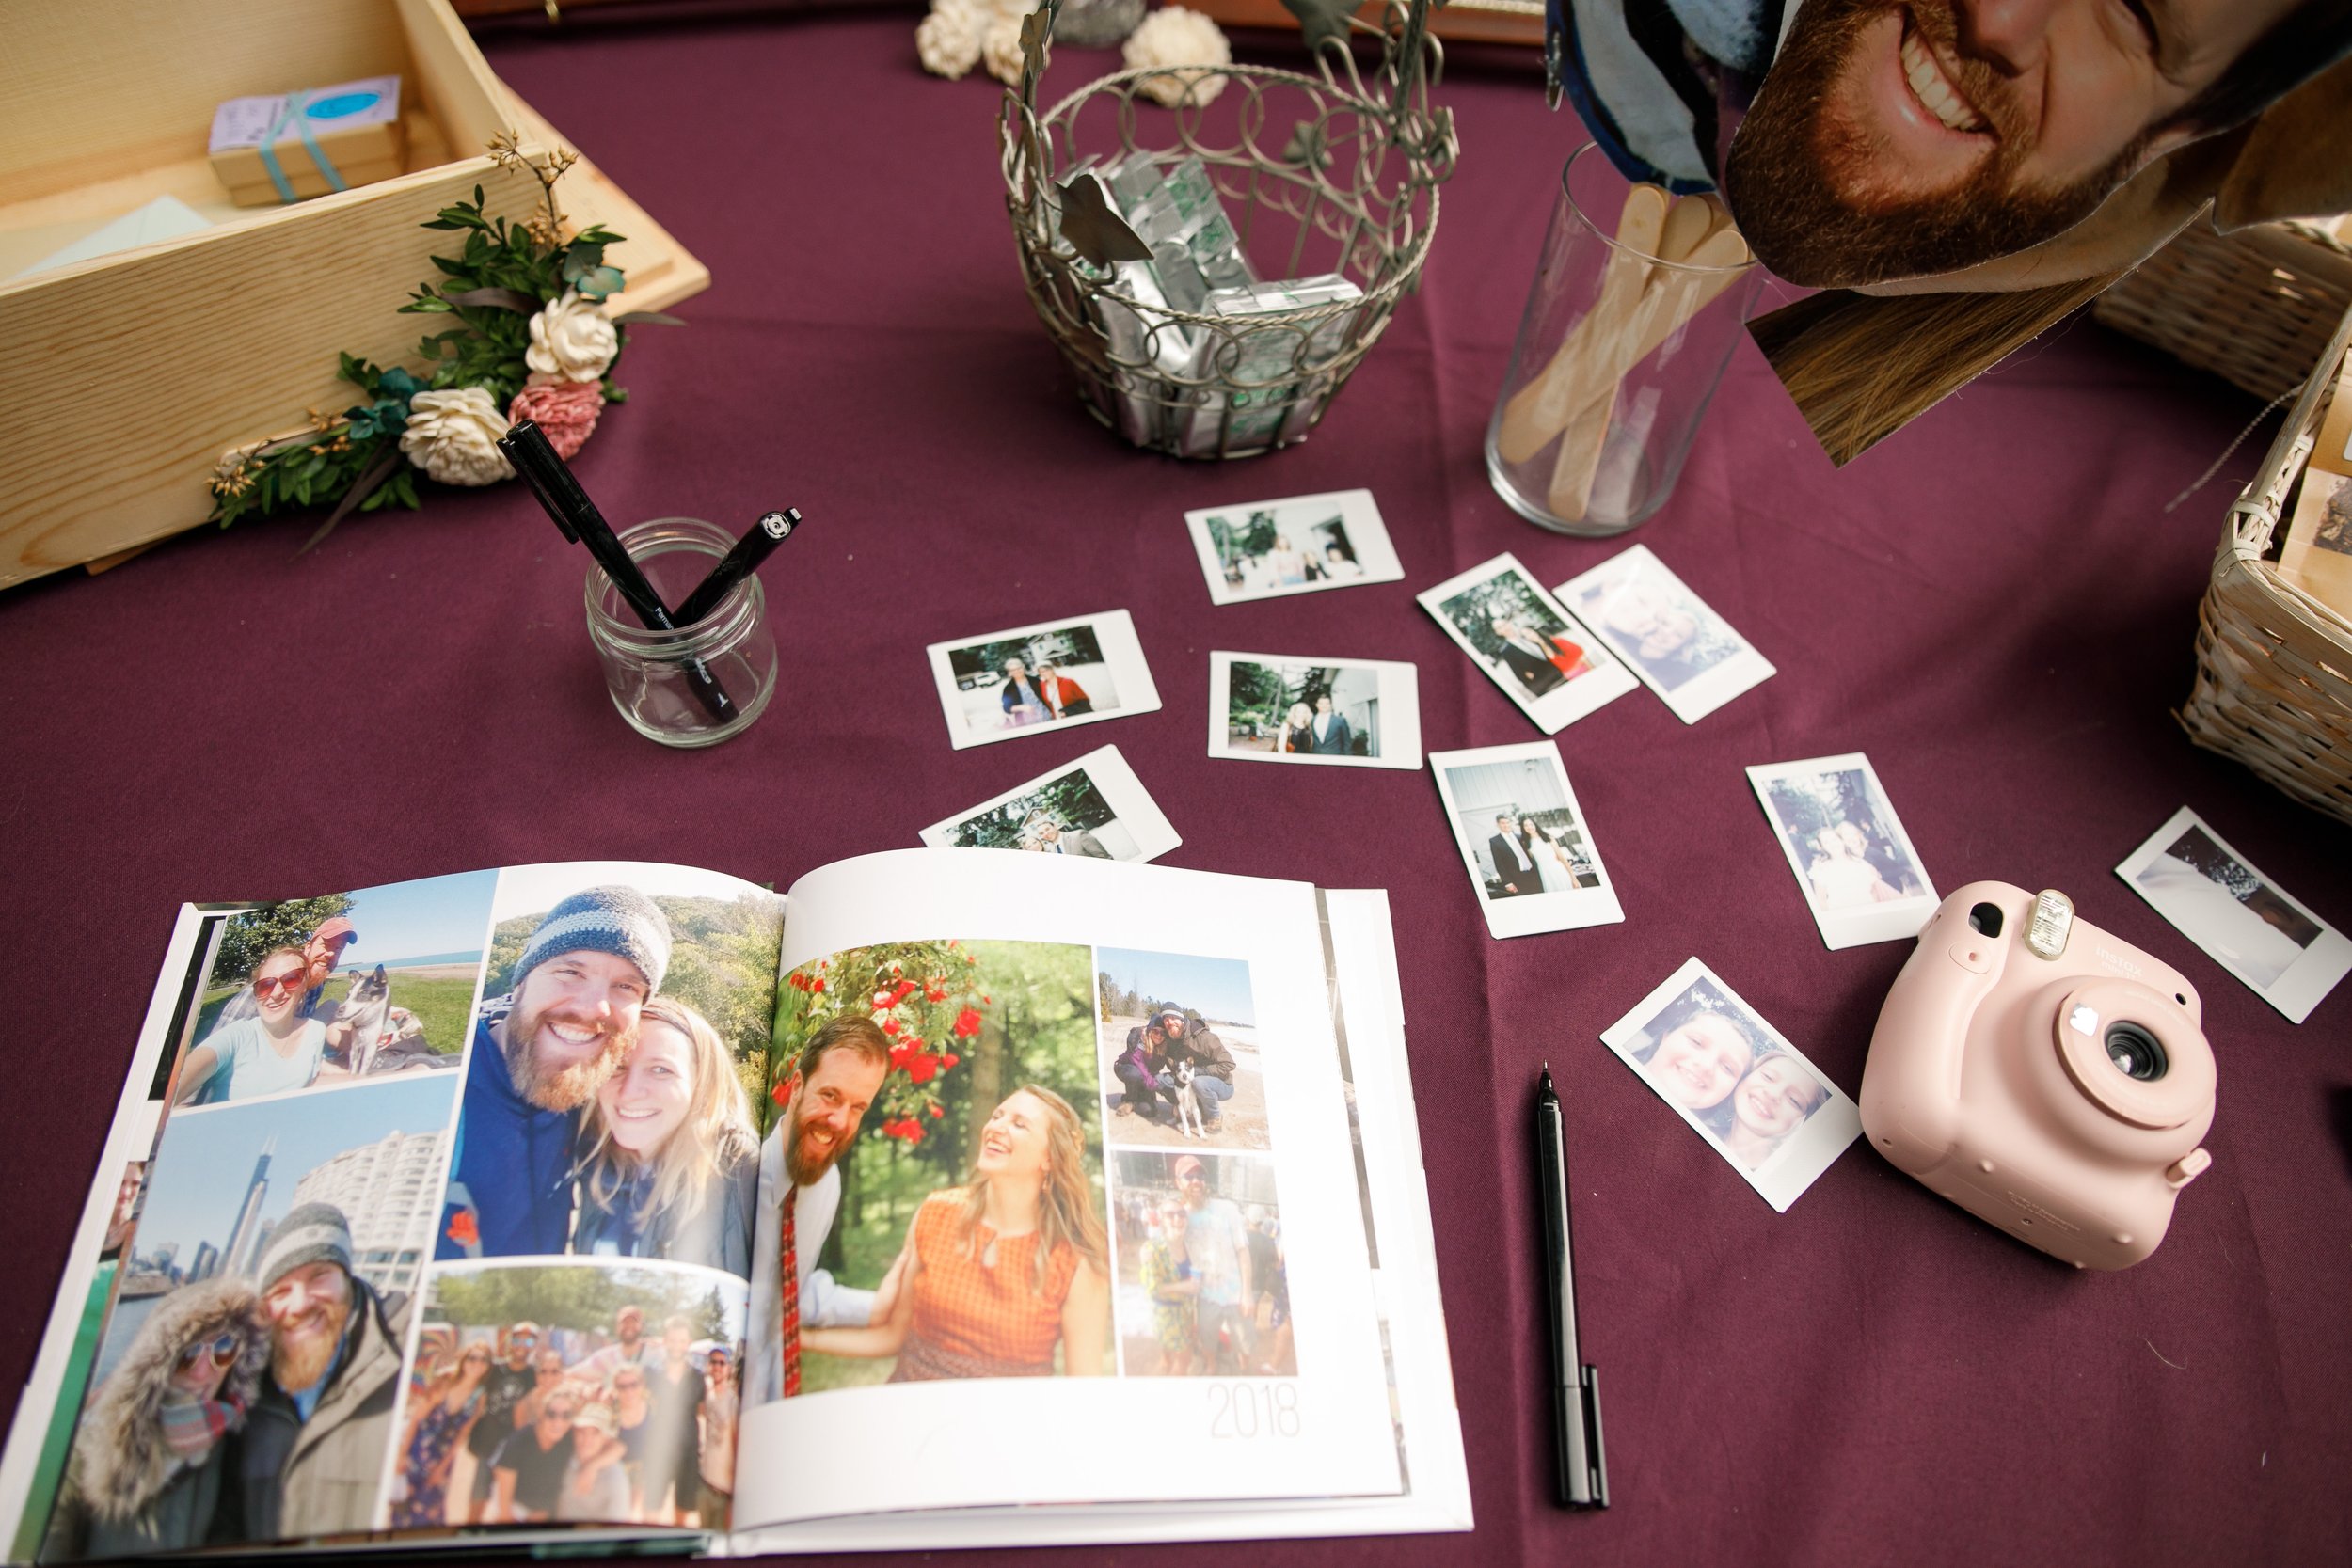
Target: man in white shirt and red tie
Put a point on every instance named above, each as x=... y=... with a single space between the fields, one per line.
x=839 y=1073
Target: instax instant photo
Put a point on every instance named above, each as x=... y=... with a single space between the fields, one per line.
x=2243 y=921
x=1682 y=649
x=1533 y=648
x=1266 y=549
x=1861 y=878
x=1048 y=676
x=1094 y=808
x=1737 y=1081
x=1341 y=712
x=1524 y=840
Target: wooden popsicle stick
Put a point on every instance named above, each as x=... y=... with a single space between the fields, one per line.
x=1669 y=302
x=1537 y=411
x=1578 y=464
x=1687 y=222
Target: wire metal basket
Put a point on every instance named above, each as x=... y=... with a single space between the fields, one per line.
x=1334 y=172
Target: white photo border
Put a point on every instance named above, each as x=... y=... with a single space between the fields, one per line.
x=1555 y=711
x=1530 y=914
x=1400 y=710
x=1704 y=692
x=1367 y=532
x=1795 y=1165
x=2306 y=982
x=1897 y=921
x=1114 y=630
x=1131 y=804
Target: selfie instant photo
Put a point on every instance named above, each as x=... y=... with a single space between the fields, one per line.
x=1524 y=840
x=1048 y=676
x=2243 y=921
x=1533 y=648
x=1345 y=712
x=1862 y=878
x=1266 y=549
x=1094 y=808
x=1682 y=649
x=1737 y=1081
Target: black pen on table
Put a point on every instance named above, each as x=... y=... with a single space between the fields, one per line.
x=1575 y=1387
x=525 y=447
x=772 y=529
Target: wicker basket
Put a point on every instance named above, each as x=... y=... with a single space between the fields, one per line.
x=2256 y=306
x=1334 y=172
x=2274 y=665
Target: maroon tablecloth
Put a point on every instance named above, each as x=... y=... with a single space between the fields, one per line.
x=1993 y=606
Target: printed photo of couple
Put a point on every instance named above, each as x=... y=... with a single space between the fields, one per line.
x=244 y=1385
x=1554 y=669
x=1860 y=874
x=316 y=993
x=1179 y=1050
x=616 y=1054
x=931 y=1181
x=1203 y=1289
x=1039 y=678
x=1523 y=835
x=1325 y=711
x=1265 y=549
x=571 y=1393
x=1737 y=1080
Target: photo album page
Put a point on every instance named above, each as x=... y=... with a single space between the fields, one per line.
x=1114 y=1209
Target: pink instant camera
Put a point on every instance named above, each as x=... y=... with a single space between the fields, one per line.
x=2047 y=1077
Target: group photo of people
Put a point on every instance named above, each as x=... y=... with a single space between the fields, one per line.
x=934 y=1159
x=1203 y=1287
x=1509 y=625
x=244 y=1382
x=1297 y=545
x=1519 y=829
x=1842 y=836
x=1037 y=678
x=318 y=991
x=1180 y=1061
x=618 y=1052
x=1717 y=1060
x=572 y=1393
x=1325 y=711
x=1650 y=618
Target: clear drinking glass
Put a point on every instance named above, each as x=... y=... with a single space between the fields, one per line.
x=661 y=680
x=1618 y=355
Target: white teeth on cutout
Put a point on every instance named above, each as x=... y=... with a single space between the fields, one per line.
x=1933 y=88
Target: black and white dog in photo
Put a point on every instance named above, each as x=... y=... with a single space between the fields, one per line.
x=1187 y=1101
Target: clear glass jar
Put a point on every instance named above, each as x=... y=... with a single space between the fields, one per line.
x=1639 y=342
x=663 y=681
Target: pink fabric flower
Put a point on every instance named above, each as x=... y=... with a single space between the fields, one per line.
x=567 y=410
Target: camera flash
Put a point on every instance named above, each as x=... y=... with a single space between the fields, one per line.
x=2084 y=1019
x=2053 y=921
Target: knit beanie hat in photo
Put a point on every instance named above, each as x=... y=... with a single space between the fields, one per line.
x=617 y=920
x=313 y=1232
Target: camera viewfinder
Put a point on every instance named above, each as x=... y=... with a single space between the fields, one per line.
x=1985 y=919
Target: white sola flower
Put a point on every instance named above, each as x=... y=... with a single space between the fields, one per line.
x=1173 y=36
x=453 y=436
x=572 y=338
x=948 y=42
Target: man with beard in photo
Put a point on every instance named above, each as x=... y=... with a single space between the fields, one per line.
x=309 y=1459
x=836 y=1078
x=539 y=1055
x=1901 y=139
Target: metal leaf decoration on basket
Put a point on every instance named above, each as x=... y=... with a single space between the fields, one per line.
x=1332 y=170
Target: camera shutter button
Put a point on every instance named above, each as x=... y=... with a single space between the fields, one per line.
x=2187 y=1168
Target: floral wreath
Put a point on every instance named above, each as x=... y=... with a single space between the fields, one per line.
x=531 y=339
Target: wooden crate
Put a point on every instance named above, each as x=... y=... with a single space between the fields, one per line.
x=128 y=376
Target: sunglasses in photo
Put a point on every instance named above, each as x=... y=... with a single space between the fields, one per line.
x=269 y=985
x=223 y=1351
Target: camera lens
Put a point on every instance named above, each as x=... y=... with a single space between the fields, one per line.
x=2135 y=1051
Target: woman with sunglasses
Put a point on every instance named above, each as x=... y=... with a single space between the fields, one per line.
x=276 y=1050
x=446 y=1409
x=669 y=1164
x=147 y=1469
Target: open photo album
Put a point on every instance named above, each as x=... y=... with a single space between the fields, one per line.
x=950 y=1198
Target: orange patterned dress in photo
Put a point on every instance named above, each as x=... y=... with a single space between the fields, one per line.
x=974 y=1318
